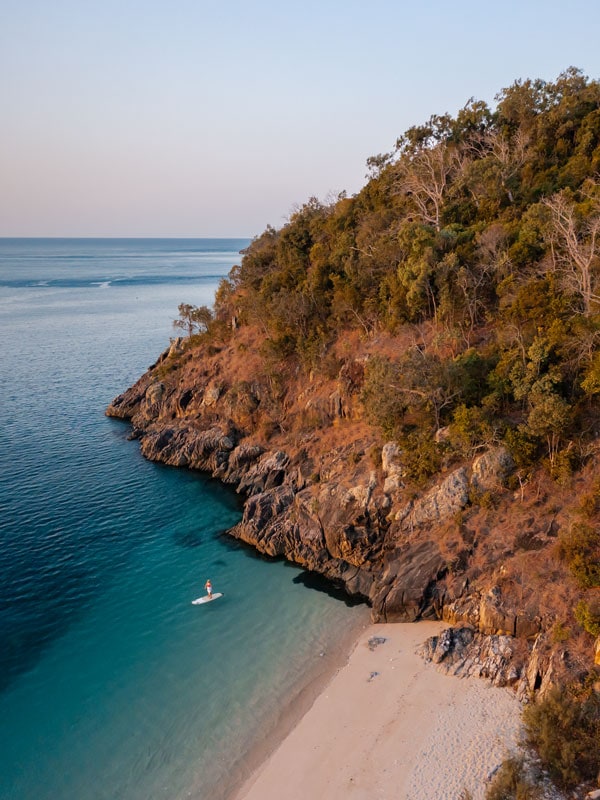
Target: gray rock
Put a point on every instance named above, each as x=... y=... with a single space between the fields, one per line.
x=443 y=501
x=404 y=593
x=465 y=653
x=491 y=469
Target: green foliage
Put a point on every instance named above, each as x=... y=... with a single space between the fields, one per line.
x=565 y=731
x=580 y=548
x=560 y=633
x=480 y=233
x=470 y=428
x=421 y=456
x=383 y=403
x=588 y=615
x=521 y=445
x=591 y=378
x=511 y=782
x=193 y=319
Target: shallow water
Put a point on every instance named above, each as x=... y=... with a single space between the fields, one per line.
x=112 y=684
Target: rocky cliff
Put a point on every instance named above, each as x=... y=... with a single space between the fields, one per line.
x=327 y=495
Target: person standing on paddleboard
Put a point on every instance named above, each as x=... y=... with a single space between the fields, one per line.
x=208 y=587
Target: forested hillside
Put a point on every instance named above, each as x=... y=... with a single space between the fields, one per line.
x=405 y=385
x=480 y=234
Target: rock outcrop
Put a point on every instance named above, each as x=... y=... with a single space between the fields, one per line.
x=502 y=659
x=332 y=512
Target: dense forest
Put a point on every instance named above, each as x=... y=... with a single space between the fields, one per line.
x=456 y=298
x=480 y=234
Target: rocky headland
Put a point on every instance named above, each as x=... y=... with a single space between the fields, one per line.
x=327 y=494
x=403 y=385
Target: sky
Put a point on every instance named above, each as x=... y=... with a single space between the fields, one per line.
x=202 y=118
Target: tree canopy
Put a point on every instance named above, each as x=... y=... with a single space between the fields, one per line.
x=485 y=227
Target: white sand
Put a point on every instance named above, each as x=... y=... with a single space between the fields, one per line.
x=407 y=732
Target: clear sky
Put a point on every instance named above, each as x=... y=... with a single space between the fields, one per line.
x=198 y=117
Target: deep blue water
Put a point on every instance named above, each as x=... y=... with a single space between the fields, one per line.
x=112 y=685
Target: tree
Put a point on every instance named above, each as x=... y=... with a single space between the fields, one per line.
x=424 y=176
x=575 y=242
x=193 y=319
x=549 y=417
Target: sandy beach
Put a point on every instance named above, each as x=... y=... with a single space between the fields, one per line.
x=389 y=726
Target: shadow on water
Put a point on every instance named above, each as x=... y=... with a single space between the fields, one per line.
x=231 y=543
x=312 y=580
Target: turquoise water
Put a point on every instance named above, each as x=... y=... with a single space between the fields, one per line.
x=112 y=685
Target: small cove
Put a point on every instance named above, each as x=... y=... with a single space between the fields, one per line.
x=112 y=683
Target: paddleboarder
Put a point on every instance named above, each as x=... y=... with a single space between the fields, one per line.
x=208 y=587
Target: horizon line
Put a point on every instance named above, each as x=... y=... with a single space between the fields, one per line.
x=127 y=236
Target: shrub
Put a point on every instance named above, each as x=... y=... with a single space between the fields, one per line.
x=565 y=731
x=469 y=429
x=511 y=783
x=560 y=633
x=562 y=467
x=382 y=401
x=421 y=456
x=375 y=455
x=580 y=548
x=588 y=616
x=522 y=446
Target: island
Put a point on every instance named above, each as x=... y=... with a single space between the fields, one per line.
x=403 y=385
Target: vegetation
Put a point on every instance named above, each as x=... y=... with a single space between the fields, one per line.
x=564 y=729
x=474 y=248
x=579 y=548
x=193 y=319
x=468 y=271
x=511 y=782
x=468 y=267
x=588 y=615
x=481 y=235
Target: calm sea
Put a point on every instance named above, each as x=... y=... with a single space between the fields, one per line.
x=112 y=685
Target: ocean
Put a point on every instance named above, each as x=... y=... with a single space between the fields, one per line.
x=112 y=684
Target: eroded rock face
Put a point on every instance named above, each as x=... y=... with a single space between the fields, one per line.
x=445 y=500
x=490 y=470
x=452 y=495
x=405 y=591
x=182 y=445
x=352 y=525
x=466 y=653
x=391 y=467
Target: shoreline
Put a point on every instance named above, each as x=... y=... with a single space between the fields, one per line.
x=288 y=717
x=384 y=724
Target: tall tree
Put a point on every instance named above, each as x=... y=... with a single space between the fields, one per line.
x=575 y=241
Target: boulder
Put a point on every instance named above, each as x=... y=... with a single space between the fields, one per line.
x=392 y=468
x=493 y=618
x=443 y=501
x=465 y=653
x=351 y=543
x=490 y=470
x=264 y=473
x=176 y=347
x=212 y=394
x=261 y=510
x=361 y=494
x=151 y=404
x=404 y=592
x=239 y=462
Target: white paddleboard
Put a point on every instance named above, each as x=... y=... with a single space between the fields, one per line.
x=207 y=599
